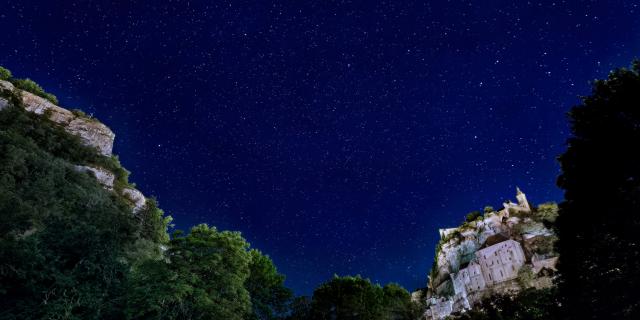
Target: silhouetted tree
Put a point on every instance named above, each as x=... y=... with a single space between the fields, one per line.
x=530 y=304
x=357 y=298
x=599 y=222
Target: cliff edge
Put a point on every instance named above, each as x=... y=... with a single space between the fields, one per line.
x=91 y=133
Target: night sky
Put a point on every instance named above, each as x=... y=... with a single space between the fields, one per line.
x=336 y=136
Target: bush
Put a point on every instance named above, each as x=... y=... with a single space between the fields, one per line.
x=547 y=212
x=5 y=74
x=525 y=276
x=31 y=86
x=472 y=216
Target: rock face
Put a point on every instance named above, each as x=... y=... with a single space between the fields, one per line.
x=91 y=132
x=103 y=176
x=6 y=85
x=136 y=197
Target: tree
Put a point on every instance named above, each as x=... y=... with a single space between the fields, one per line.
x=347 y=298
x=64 y=239
x=203 y=279
x=357 y=298
x=488 y=209
x=300 y=308
x=599 y=221
x=398 y=304
x=269 y=297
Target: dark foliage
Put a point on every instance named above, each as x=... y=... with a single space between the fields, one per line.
x=599 y=221
x=530 y=304
x=472 y=216
x=63 y=238
x=357 y=298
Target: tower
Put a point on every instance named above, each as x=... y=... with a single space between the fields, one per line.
x=522 y=199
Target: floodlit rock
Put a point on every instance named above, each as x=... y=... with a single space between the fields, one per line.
x=6 y=85
x=136 y=197
x=91 y=132
x=103 y=176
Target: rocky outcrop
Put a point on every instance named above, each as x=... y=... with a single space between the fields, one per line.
x=91 y=132
x=6 y=85
x=136 y=197
x=103 y=176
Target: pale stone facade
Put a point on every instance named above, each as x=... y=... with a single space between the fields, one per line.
x=501 y=262
x=494 y=264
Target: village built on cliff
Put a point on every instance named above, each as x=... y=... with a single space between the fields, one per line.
x=488 y=256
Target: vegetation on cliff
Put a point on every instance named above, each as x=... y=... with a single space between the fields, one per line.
x=66 y=244
x=71 y=249
x=27 y=85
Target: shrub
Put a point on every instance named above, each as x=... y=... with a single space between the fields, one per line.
x=5 y=74
x=31 y=86
x=547 y=212
x=472 y=216
x=525 y=276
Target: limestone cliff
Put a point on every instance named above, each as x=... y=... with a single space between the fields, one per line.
x=498 y=252
x=90 y=131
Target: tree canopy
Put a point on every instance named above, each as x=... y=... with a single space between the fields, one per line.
x=599 y=220
x=357 y=298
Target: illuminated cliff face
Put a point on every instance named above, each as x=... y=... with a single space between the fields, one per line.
x=91 y=132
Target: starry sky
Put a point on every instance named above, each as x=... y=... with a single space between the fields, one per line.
x=337 y=136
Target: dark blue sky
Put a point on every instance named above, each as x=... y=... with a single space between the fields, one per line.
x=337 y=136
